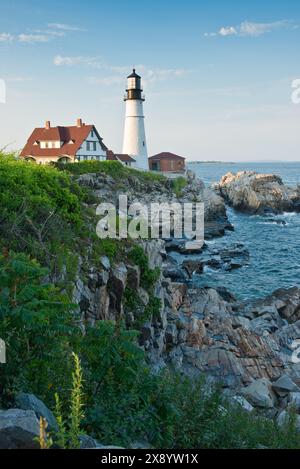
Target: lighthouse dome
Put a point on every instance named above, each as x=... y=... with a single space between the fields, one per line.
x=134 y=74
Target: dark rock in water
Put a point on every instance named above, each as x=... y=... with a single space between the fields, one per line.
x=193 y=266
x=276 y=221
x=226 y=295
x=183 y=247
x=176 y=274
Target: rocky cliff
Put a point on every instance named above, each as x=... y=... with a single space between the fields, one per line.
x=200 y=331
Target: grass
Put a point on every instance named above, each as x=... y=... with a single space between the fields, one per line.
x=111 y=168
x=178 y=185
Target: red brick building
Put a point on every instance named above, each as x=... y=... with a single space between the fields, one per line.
x=167 y=162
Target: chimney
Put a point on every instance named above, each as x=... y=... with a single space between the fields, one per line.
x=48 y=125
x=79 y=123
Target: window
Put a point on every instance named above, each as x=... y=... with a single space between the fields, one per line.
x=88 y=146
x=46 y=145
x=53 y=144
x=95 y=146
x=92 y=134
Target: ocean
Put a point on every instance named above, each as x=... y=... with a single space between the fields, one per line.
x=274 y=247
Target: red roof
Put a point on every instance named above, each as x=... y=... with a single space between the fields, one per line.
x=72 y=138
x=166 y=156
x=123 y=157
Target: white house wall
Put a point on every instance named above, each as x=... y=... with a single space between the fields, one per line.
x=84 y=154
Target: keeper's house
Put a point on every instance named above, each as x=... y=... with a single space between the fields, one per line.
x=167 y=163
x=64 y=144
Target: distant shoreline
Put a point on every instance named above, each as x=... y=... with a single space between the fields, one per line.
x=243 y=162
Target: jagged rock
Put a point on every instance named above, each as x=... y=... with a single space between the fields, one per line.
x=147 y=333
x=284 y=417
x=143 y=296
x=133 y=277
x=171 y=334
x=258 y=193
x=195 y=334
x=236 y=256
x=178 y=292
x=105 y=262
x=102 y=300
x=193 y=266
x=243 y=403
x=87 y=442
x=175 y=273
x=18 y=429
x=260 y=393
x=294 y=401
x=285 y=385
x=31 y=402
x=117 y=285
x=287 y=302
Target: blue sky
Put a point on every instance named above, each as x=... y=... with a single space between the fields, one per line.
x=217 y=74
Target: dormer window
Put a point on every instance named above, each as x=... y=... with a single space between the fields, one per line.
x=51 y=144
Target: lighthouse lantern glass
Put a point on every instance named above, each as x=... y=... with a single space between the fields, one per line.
x=134 y=83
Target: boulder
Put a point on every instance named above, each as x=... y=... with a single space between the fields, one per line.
x=260 y=394
x=31 y=402
x=258 y=193
x=243 y=403
x=284 y=385
x=294 y=401
x=283 y=419
x=18 y=429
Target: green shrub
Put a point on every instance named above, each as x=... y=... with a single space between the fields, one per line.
x=148 y=276
x=178 y=185
x=36 y=323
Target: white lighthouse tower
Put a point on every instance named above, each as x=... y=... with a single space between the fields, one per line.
x=134 y=143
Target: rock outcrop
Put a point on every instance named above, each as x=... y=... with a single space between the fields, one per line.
x=258 y=193
x=18 y=429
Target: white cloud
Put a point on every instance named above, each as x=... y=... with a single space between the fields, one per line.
x=149 y=75
x=33 y=38
x=64 y=27
x=6 y=37
x=92 y=62
x=228 y=31
x=257 y=29
x=53 y=30
x=251 y=29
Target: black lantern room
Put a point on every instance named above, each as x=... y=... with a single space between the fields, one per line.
x=134 y=87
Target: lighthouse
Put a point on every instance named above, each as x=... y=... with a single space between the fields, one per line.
x=134 y=143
